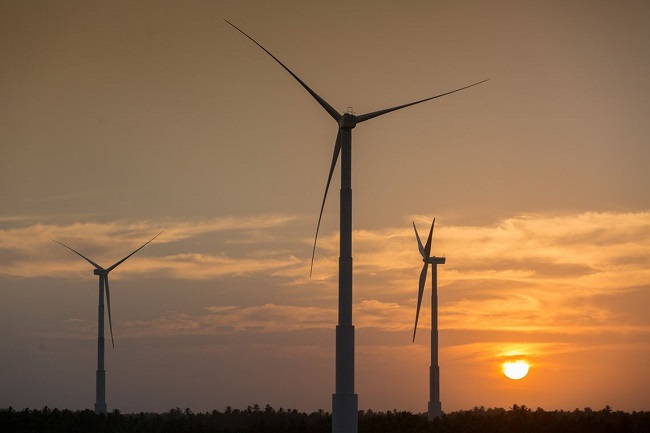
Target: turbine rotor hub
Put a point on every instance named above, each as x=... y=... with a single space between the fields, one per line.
x=100 y=272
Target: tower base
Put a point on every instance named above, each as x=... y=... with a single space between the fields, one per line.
x=100 y=408
x=435 y=410
x=345 y=413
x=100 y=391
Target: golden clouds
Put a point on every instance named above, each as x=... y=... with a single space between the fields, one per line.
x=268 y=318
x=28 y=251
x=536 y=273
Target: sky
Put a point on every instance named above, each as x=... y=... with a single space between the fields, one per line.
x=120 y=119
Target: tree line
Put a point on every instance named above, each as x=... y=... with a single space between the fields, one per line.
x=516 y=419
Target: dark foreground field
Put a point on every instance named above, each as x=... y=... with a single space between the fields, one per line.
x=519 y=419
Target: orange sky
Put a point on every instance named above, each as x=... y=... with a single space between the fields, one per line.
x=118 y=121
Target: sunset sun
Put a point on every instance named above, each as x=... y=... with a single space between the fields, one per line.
x=515 y=369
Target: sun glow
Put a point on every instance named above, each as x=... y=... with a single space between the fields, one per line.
x=515 y=369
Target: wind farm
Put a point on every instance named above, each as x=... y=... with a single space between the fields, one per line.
x=345 y=405
x=122 y=119
x=104 y=293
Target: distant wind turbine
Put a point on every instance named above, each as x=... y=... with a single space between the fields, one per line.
x=344 y=401
x=100 y=381
x=435 y=406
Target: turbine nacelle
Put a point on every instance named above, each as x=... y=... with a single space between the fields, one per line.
x=100 y=272
x=348 y=121
x=435 y=260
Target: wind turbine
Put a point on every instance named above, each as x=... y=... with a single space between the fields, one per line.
x=344 y=401
x=100 y=378
x=435 y=407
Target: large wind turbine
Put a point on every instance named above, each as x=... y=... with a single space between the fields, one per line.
x=435 y=407
x=100 y=379
x=344 y=401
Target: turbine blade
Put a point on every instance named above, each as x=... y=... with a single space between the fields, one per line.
x=79 y=254
x=118 y=263
x=368 y=116
x=417 y=236
x=108 y=303
x=335 y=157
x=332 y=112
x=423 y=279
x=427 y=248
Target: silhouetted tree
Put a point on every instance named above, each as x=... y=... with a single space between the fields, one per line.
x=519 y=419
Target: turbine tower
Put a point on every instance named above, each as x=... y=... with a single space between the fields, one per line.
x=435 y=407
x=344 y=400
x=100 y=378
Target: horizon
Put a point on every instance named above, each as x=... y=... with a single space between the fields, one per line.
x=256 y=407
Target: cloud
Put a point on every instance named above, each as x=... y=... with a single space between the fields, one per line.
x=28 y=251
x=228 y=319
x=536 y=273
x=194 y=266
x=266 y=318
